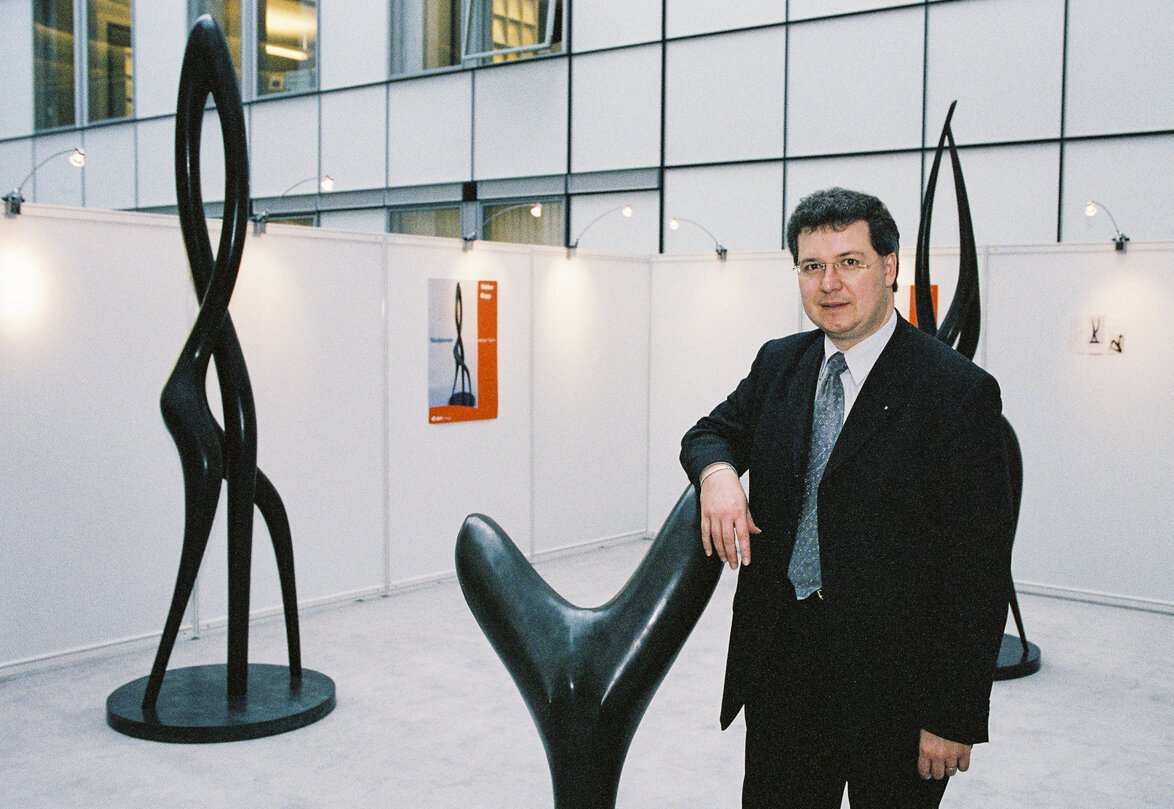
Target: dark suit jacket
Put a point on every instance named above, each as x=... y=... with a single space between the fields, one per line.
x=915 y=528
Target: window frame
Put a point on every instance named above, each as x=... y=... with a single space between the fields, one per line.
x=468 y=17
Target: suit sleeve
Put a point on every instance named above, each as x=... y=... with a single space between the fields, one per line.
x=970 y=570
x=727 y=433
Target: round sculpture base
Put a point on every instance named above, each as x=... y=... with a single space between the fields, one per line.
x=1013 y=661
x=193 y=707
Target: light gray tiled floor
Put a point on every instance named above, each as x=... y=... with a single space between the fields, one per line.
x=428 y=717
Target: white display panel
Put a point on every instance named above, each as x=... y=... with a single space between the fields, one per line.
x=520 y=119
x=686 y=17
x=308 y=308
x=16 y=43
x=1011 y=190
x=869 y=102
x=740 y=205
x=93 y=501
x=611 y=23
x=354 y=146
x=1132 y=178
x=110 y=166
x=441 y=473
x=1095 y=428
x=353 y=44
x=709 y=319
x=283 y=144
x=615 y=110
x=1003 y=61
x=429 y=130
x=1120 y=67
x=724 y=97
x=160 y=32
x=590 y=398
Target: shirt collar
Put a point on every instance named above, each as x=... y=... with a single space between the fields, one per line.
x=862 y=356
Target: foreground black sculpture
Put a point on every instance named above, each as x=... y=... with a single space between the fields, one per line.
x=233 y=701
x=587 y=675
x=960 y=329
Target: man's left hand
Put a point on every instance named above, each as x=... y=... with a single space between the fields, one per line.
x=938 y=757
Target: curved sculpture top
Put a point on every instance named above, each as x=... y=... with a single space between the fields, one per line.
x=961 y=324
x=587 y=675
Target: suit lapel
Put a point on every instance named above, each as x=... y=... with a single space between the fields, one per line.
x=799 y=403
x=885 y=392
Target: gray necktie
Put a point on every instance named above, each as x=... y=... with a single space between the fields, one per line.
x=827 y=418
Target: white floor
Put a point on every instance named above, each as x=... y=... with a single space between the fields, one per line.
x=428 y=717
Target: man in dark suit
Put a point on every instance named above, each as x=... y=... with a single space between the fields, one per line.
x=865 y=632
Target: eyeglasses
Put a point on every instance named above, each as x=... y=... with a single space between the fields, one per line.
x=845 y=268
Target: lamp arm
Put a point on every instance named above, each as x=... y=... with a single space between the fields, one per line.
x=1111 y=217
x=473 y=235
x=716 y=243
x=20 y=185
x=295 y=185
x=575 y=243
x=717 y=246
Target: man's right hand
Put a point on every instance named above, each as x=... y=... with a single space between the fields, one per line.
x=726 y=524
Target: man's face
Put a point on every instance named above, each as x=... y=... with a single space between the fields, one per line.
x=847 y=306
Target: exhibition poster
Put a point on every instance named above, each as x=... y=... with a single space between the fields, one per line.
x=462 y=350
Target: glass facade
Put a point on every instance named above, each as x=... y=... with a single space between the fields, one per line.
x=53 y=64
x=109 y=59
x=426 y=221
x=510 y=29
x=515 y=222
x=287 y=46
x=425 y=34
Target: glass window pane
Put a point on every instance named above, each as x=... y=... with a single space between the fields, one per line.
x=514 y=222
x=287 y=46
x=504 y=29
x=53 y=63
x=425 y=34
x=111 y=85
x=227 y=14
x=305 y=221
x=427 y=221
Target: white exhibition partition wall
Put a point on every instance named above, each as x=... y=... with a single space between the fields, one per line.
x=604 y=361
x=440 y=473
x=92 y=498
x=590 y=398
x=1096 y=426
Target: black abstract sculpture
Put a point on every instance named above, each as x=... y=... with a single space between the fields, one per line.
x=462 y=395
x=960 y=329
x=237 y=700
x=587 y=675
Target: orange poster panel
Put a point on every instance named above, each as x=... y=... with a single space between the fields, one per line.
x=462 y=372
x=933 y=291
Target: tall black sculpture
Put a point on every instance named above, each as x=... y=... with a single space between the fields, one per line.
x=959 y=329
x=587 y=675
x=238 y=700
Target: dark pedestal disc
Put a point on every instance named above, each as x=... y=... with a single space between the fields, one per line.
x=193 y=707
x=1014 y=662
